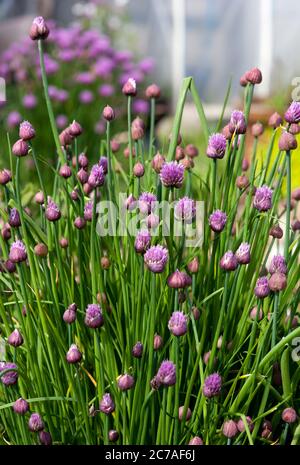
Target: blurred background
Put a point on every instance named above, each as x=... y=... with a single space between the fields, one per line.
x=210 y=40
x=153 y=41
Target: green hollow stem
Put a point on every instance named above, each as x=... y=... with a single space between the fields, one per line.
x=129 y=116
x=48 y=103
x=214 y=184
x=152 y=126
x=274 y=319
x=288 y=206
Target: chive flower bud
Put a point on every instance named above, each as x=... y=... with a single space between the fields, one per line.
x=45 y=438
x=15 y=339
x=39 y=29
x=125 y=382
x=35 y=423
x=277 y=282
x=262 y=288
x=275 y=120
x=73 y=355
x=21 y=406
x=52 y=211
x=26 y=131
x=20 y=148
x=229 y=261
x=179 y=280
x=137 y=350
x=229 y=429
x=243 y=254
x=108 y=113
x=107 y=405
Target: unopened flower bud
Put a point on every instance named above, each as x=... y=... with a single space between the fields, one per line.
x=39 y=29
x=108 y=113
x=153 y=91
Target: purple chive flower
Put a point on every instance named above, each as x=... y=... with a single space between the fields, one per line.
x=52 y=211
x=212 y=385
x=11 y=377
x=278 y=265
x=61 y=121
x=179 y=280
x=93 y=316
x=262 y=288
x=36 y=423
x=166 y=374
x=263 y=198
x=217 y=221
x=137 y=350
x=106 y=90
x=292 y=115
x=18 y=252
x=88 y=211
x=156 y=258
x=178 y=324
x=21 y=406
x=142 y=241
x=243 y=254
x=237 y=122
x=15 y=339
x=172 y=174
x=29 y=101
x=104 y=163
x=97 y=176
x=85 y=78
x=14 y=218
x=73 y=355
x=26 y=131
x=141 y=106
x=107 y=405
x=86 y=97
x=14 y=119
x=185 y=210
x=147 y=202
x=229 y=261
x=125 y=382
x=216 y=146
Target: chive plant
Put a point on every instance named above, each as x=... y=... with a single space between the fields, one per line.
x=144 y=338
